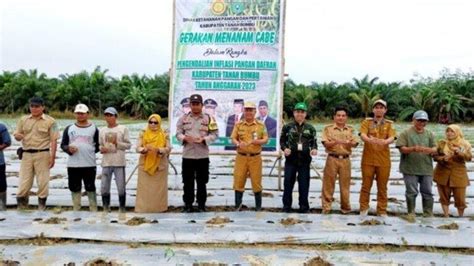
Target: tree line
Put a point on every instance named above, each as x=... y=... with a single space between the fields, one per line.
x=449 y=98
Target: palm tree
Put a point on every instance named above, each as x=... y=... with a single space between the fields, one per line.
x=420 y=100
x=99 y=84
x=304 y=94
x=366 y=94
x=448 y=103
x=140 y=97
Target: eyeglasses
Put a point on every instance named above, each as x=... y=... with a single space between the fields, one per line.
x=153 y=122
x=109 y=115
x=421 y=121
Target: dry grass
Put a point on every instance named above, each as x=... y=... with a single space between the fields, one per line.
x=42 y=241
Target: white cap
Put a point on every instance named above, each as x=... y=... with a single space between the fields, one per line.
x=380 y=101
x=81 y=108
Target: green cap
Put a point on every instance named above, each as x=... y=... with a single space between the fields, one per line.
x=301 y=106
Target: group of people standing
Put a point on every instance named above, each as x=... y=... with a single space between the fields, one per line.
x=416 y=144
x=196 y=130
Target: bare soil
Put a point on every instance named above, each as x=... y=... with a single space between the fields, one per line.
x=292 y=221
x=218 y=220
x=317 y=261
x=371 y=222
x=101 y=262
x=54 y=220
x=135 y=221
x=451 y=226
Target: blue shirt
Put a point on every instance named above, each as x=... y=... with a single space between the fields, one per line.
x=4 y=139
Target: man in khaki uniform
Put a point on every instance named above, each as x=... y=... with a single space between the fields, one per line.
x=38 y=134
x=377 y=133
x=249 y=135
x=338 y=139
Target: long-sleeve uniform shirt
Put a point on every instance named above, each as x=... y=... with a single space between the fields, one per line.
x=201 y=125
x=373 y=154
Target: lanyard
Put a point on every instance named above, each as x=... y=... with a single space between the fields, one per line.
x=300 y=132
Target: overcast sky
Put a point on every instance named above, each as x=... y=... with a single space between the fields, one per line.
x=330 y=40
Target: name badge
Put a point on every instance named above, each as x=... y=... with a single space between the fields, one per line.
x=300 y=146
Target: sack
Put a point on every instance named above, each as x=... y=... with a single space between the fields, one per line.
x=19 y=152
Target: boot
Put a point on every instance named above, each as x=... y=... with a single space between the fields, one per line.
x=427 y=207
x=76 y=201
x=22 y=203
x=92 y=201
x=42 y=204
x=258 y=201
x=411 y=205
x=238 y=199
x=445 y=210
x=122 y=207
x=3 y=201
x=460 y=212
x=106 y=202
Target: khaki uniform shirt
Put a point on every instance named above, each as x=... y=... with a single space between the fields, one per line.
x=333 y=132
x=38 y=133
x=452 y=173
x=201 y=125
x=377 y=155
x=246 y=132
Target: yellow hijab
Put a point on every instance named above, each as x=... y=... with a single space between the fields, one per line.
x=457 y=141
x=157 y=139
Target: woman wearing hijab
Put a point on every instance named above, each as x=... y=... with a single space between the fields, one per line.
x=451 y=173
x=154 y=148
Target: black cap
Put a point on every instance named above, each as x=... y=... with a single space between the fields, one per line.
x=241 y=101
x=209 y=102
x=184 y=101
x=262 y=103
x=195 y=98
x=37 y=100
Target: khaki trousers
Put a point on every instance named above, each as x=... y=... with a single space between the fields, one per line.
x=459 y=194
x=245 y=166
x=381 y=175
x=34 y=164
x=336 y=167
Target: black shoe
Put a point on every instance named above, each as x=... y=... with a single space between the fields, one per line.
x=188 y=209
x=287 y=209
x=202 y=208
x=303 y=210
